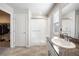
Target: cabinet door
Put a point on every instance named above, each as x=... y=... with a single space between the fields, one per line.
x=51 y=49
x=20 y=31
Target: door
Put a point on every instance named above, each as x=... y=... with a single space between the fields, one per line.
x=38 y=31
x=20 y=33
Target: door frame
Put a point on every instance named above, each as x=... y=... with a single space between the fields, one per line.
x=10 y=28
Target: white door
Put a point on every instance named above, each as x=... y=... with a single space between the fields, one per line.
x=20 y=33
x=38 y=31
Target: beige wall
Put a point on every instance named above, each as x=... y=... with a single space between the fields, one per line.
x=4 y=17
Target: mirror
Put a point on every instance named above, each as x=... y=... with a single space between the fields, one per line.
x=77 y=24
x=56 y=23
x=67 y=25
x=70 y=21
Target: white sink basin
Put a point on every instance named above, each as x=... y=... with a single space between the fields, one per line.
x=63 y=43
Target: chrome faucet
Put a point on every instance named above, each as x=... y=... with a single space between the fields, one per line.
x=66 y=36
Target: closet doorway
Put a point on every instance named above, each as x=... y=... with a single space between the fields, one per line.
x=4 y=29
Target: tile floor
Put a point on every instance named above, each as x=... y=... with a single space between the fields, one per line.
x=32 y=51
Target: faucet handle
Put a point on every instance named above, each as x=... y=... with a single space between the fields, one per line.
x=66 y=34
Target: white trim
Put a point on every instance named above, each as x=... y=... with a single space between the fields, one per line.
x=29 y=18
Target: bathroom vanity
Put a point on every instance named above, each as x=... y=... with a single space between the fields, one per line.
x=65 y=23
x=56 y=50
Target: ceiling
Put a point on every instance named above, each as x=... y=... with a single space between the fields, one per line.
x=36 y=8
x=70 y=7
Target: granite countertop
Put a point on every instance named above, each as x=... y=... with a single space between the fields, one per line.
x=69 y=52
x=72 y=51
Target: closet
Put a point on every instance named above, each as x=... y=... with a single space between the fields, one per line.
x=4 y=29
